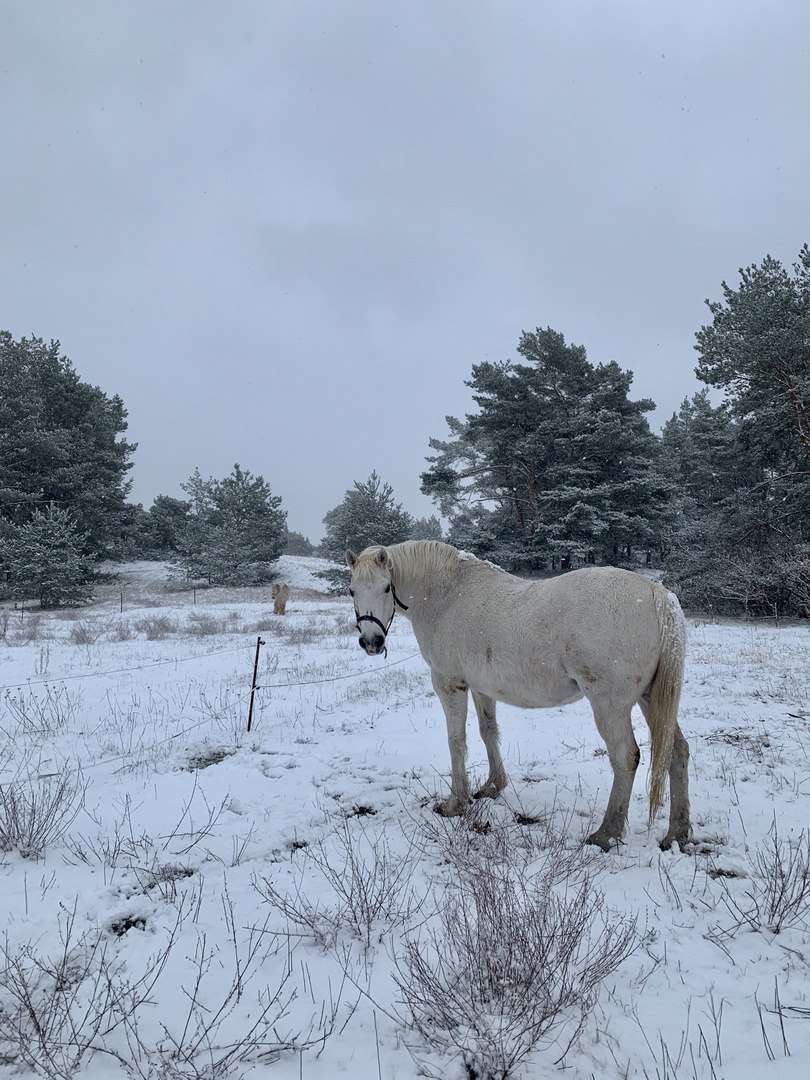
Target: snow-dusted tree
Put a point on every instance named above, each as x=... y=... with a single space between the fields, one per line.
x=59 y=443
x=426 y=528
x=164 y=525
x=752 y=551
x=233 y=531
x=298 y=544
x=757 y=349
x=557 y=467
x=367 y=515
x=44 y=560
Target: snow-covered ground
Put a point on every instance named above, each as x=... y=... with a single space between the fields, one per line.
x=178 y=892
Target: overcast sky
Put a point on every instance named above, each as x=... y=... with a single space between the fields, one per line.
x=284 y=230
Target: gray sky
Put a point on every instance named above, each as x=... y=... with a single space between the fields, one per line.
x=285 y=231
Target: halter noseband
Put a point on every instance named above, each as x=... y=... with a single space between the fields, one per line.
x=374 y=619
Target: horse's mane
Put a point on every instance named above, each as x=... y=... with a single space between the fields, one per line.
x=414 y=558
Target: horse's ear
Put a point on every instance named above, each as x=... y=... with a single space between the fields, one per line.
x=382 y=557
x=351 y=558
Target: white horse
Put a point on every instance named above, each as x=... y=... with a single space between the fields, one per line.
x=609 y=635
x=281 y=594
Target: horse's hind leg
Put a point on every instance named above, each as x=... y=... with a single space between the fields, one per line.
x=679 y=827
x=616 y=728
x=454 y=702
x=488 y=726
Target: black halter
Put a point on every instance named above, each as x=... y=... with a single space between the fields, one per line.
x=374 y=619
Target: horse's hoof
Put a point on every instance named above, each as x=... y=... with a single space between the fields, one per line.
x=488 y=791
x=669 y=840
x=449 y=808
x=598 y=839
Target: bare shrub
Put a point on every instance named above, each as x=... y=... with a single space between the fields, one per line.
x=121 y=630
x=44 y=713
x=371 y=884
x=482 y=838
x=156 y=627
x=28 y=628
x=54 y=1010
x=34 y=814
x=224 y=1025
x=56 y=1013
x=187 y=833
x=59 y=1010
x=513 y=963
x=203 y=624
x=84 y=633
x=307 y=631
x=778 y=896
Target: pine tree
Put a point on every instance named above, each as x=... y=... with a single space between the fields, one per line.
x=234 y=529
x=426 y=528
x=367 y=515
x=165 y=524
x=59 y=443
x=44 y=560
x=557 y=467
x=298 y=544
x=750 y=539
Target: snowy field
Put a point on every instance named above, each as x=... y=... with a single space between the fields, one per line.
x=182 y=898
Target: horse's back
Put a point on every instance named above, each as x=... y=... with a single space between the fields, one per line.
x=537 y=643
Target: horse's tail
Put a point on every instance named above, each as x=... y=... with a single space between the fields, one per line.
x=665 y=692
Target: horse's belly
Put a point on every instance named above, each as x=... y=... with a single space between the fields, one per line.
x=530 y=694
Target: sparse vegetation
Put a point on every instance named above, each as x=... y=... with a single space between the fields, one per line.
x=512 y=963
x=36 y=813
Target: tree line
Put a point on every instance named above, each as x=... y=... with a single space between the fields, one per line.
x=557 y=467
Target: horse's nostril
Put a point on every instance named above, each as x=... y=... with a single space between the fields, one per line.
x=379 y=641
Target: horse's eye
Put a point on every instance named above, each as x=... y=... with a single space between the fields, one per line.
x=388 y=588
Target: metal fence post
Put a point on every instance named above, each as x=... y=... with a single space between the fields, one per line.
x=254 y=687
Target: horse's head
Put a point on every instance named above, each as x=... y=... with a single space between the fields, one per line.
x=372 y=589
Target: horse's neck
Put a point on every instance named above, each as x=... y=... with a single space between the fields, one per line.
x=409 y=587
x=413 y=577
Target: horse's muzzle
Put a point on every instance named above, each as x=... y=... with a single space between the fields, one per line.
x=375 y=646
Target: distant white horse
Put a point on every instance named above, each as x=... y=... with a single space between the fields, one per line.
x=609 y=635
x=281 y=594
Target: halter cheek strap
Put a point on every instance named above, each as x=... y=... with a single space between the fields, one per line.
x=374 y=619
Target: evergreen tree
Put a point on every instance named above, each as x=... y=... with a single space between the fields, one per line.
x=233 y=531
x=702 y=458
x=367 y=515
x=757 y=349
x=298 y=544
x=426 y=528
x=167 y=521
x=59 y=443
x=751 y=549
x=557 y=467
x=701 y=452
x=44 y=560
x=155 y=533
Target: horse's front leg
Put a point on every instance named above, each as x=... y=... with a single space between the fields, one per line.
x=488 y=726
x=453 y=696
